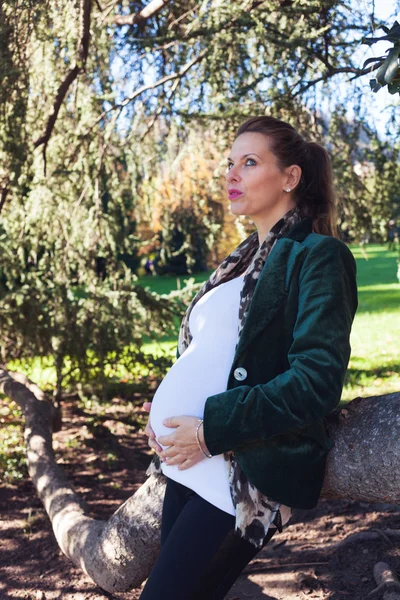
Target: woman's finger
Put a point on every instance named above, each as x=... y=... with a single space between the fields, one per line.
x=153 y=444
x=174 y=460
x=186 y=464
x=149 y=431
x=171 y=452
x=147 y=406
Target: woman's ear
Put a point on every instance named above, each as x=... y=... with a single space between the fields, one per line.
x=293 y=176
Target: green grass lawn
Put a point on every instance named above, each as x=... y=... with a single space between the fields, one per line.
x=374 y=366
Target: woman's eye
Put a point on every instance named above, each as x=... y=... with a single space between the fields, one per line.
x=252 y=159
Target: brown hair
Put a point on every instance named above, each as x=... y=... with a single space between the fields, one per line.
x=314 y=194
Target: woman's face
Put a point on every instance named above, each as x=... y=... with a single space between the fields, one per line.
x=253 y=171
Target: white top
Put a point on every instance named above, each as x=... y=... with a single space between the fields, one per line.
x=202 y=371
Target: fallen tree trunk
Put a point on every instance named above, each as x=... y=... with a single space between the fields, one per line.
x=363 y=465
x=118 y=554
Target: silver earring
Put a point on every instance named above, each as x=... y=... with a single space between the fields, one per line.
x=287 y=190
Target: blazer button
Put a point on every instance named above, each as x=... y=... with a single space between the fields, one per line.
x=240 y=373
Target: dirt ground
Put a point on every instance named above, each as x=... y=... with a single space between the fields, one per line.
x=105 y=457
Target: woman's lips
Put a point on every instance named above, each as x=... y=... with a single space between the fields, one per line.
x=233 y=195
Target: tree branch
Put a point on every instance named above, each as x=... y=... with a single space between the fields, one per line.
x=148 y=11
x=4 y=193
x=150 y=86
x=329 y=75
x=83 y=50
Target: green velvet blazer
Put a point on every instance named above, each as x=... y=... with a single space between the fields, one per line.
x=292 y=357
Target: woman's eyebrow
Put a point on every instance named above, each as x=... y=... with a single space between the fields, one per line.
x=244 y=156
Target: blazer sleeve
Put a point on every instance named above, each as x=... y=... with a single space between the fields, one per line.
x=318 y=359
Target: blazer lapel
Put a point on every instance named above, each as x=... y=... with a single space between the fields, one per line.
x=273 y=282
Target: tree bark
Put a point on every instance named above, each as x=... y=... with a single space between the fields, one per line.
x=118 y=554
x=363 y=465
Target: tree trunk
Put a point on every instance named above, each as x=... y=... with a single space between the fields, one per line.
x=363 y=465
x=118 y=554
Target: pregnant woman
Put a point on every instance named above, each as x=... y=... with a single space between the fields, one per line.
x=237 y=422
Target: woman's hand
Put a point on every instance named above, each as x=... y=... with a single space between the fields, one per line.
x=150 y=433
x=183 y=449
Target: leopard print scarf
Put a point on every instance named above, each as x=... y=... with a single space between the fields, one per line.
x=254 y=511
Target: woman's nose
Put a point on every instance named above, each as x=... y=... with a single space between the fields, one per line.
x=232 y=175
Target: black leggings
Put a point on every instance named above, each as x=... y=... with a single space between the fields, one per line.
x=200 y=556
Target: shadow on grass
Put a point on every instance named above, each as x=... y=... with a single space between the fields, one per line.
x=379 y=300
x=355 y=375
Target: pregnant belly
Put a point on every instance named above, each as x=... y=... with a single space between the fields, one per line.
x=164 y=406
x=183 y=391
x=195 y=376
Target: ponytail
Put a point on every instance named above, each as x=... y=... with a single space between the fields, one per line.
x=315 y=193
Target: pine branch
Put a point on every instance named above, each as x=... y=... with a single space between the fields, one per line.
x=83 y=51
